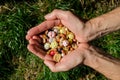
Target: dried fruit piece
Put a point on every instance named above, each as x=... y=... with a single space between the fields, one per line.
x=57 y=57
x=61 y=41
x=70 y=35
x=66 y=49
x=44 y=37
x=51 y=34
x=62 y=30
x=52 y=52
x=56 y=30
x=70 y=41
x=63 y=53
x=51 y=40
x=54 y=44
x=58 y=41
x=59 y=49
x=65 y=43
x=47 y=46
x=74 y=46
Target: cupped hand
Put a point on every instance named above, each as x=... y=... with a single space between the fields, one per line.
x=57 y=17
x=69 y=61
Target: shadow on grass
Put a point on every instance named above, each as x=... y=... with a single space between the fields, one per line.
x=7 y=66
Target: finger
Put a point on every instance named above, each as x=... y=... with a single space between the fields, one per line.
x=52 y=66
x=66 y=63
x=36 y=50
x=56 y=67
x=42 y=27
x=37 y=38
x=35 y=42
x=48 y=57
x=57 y=14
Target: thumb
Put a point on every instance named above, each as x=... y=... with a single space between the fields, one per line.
x=57 y=14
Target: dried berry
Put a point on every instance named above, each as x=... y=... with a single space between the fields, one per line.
x=52 y=52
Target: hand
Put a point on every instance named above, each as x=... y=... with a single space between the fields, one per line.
x=69 y=61
x=66 y=18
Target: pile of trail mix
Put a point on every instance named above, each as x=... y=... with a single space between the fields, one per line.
x=58 y=42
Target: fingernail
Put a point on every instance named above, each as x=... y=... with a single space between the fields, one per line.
x=28 y=32
x=34 y=37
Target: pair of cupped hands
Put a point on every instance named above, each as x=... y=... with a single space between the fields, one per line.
x=82 y=32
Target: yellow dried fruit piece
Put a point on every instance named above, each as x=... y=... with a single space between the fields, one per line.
x=66 y=49
x=58 y=28
x=57 y=57
x=54 y=44
x=70 y=41
x=74 y=46
x=71 y=35
x=62 y=30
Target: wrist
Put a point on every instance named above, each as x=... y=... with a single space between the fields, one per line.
x=91 y=58
x=93 y=28
x=102 y=25
x=105 y=64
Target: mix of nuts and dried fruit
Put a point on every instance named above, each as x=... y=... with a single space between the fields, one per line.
x=58 y=41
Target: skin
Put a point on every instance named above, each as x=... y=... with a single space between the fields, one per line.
x=85 y=53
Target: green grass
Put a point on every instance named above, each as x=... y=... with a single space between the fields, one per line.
x=16 y=17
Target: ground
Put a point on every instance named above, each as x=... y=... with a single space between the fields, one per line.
x=16 y=17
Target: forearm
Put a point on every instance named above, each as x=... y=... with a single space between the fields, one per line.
x=103 y=24
x=107 y=65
